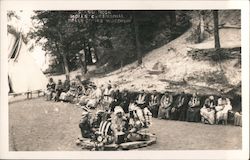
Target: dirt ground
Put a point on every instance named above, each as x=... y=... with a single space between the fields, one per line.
x=39 y=125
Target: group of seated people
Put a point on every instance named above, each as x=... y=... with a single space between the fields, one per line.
x=68 y=91
x=115 y=127
x=121 y=109
x=183 y=107
x=191 y=108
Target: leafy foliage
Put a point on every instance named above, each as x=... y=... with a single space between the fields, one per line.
x=111 y=32
x=215 y=55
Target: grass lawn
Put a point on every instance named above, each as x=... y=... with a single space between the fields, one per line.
x=39 y=125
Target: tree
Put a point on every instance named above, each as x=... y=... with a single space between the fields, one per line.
x=173 y=22
x=216 y=29
x=137 y=38
x=63 y=53
x=64 y=37
x=118 y=37
x=82 y=59
x=201 y=25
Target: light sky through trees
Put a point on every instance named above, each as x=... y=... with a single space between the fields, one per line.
x=24 y=24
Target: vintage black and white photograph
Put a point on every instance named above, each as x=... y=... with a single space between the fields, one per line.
x=114 y=80
x=122 y=80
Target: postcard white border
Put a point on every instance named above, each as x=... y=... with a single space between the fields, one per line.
x=138 y=4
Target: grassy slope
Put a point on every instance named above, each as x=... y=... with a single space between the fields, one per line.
x=178 y=66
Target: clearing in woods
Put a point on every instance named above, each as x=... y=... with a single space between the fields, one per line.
x=39 y=125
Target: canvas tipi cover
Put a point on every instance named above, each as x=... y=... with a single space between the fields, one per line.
x=23 y=72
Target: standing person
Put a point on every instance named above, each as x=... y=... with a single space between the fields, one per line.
x=166 y=106
x=125 y=100
x=208 y=111
x=224 y=105
x=107 y=93
x=50 y=89
x=116 y=100
x=193 y=112
x=59 y=90
x=154 y=103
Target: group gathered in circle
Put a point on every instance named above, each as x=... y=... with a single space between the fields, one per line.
x=211 y=109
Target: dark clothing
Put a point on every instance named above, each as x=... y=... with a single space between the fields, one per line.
x=142 y=99
x=116 y=95
x=183 y=113
x=50 y=90
x=209 y=103
x=178 y=111
x=96 y=124
x=113 y=104
x=193 y=111
x=66 y=86
x=154 y=103
x=51 y=86
x=85 y=127
x=81 y=88
x=165 y=106
x=193 y=115
x=116 y=100
x=59 y=90
x=183 y=109
x=125 y=100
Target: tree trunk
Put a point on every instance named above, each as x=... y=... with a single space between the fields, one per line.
x=121 y=65
x=137 y=40
x=63 y=67
x=83 y=63
x=85 y=67
x=66 y=67
x=202 y=25
x=82 y=69
x=173 y=23
x=216 y=29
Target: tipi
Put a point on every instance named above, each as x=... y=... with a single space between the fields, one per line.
x=23 y=73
